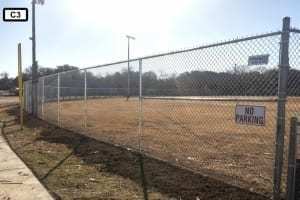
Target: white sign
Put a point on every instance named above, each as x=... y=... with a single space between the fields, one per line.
x=258 y=60
x=250 y=115
x=15 y=14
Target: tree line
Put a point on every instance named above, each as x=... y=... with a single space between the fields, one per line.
x=193 y=83
x=7 y=83
x=237 y=82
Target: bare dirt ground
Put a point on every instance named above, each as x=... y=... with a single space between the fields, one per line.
x=200 y=136
x=73 y=166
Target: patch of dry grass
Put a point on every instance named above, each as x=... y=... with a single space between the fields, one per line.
x=201 y=136
x=74 y=166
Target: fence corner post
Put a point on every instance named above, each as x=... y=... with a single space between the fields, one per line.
x=282 y=94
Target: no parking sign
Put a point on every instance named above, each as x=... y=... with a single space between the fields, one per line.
x=250 y=115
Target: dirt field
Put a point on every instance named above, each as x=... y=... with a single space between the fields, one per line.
x=73 y=166
x=201 y=136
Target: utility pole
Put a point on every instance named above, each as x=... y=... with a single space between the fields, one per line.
x=128 y=72
x=35 y=77
x=34 y=66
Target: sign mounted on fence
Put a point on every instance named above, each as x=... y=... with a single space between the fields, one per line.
x=258 y=60
x=250 y=115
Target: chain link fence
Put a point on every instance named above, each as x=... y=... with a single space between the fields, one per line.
x=182 y=107
x=27 y=96
x=193 y=124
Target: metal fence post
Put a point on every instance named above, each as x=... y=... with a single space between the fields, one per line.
x=58 y=99
x=25 y=96
x=141 y=157
x=28 y=97
x=282 y=93
x=140 y=104
x=20 y=80
x=85 y=99
x=290 y=186
x=43 y=96
x=34 y=86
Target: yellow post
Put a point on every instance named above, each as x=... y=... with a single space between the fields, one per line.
x=20 y=84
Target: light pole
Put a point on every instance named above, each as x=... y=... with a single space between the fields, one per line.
x=34 y=62
x=128 y=72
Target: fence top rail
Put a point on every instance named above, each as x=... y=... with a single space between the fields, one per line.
x=243 y=39
x=216 y=98
x=193 y=49
x=295 y=30
x=223 y=98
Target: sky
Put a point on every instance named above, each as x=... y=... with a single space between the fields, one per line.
x=92 y=32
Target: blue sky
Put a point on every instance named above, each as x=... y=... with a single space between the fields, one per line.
x=92 y=32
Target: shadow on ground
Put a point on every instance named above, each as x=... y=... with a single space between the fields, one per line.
x=171 y=181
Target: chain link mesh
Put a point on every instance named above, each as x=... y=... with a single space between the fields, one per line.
x=196 y=127
x=27 y=96
x=188 y=107
x=51 y=107
x=293 y=93
x=72 y=100
x=112 y=109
